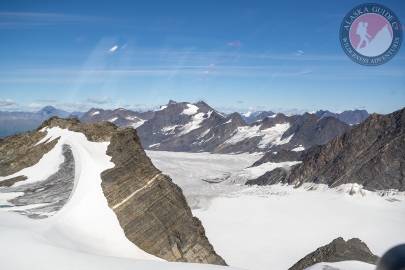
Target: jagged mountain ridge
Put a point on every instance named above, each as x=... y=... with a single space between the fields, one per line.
x=121 y=117
x=371 y=154
x=150 y=208
x=182 y=126
x=251 y=117
x=350 y=117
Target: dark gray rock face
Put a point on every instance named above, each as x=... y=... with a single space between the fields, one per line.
x=336 y=251
x=150 y=208
x=169 y=130
x=256 y=116
x=121 y=117
x=280 y=156
x=270 y=178
x=309 y=130
x=350 y=117
x=371 y=154
x=50 y=194
x=182 y=126
x=20 y=151
x=11 y=181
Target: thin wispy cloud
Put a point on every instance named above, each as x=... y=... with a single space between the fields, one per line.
x=98 y=100
x=234 y=43
x=113 y=49
x=299 y=53
x=10 y=19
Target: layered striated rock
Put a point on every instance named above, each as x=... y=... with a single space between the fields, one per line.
x=21 y=151
x=371 y=154
x=150 y=208
x=336 y=251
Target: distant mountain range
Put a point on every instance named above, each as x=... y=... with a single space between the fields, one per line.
x=197 y=127
x=351 y=117
x=16 y=122
x=183 y=126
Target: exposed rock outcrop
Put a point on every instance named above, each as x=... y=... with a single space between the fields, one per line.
x=336 y=251
x=350 y=117
x=21 y=151
x=150 y=208
x=49 y=195
x=371 y=154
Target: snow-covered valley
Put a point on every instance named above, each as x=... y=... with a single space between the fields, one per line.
x=273 y=227
x=251 y=227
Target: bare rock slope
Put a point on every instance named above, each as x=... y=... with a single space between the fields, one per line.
x=371 y=154
x=336 y=251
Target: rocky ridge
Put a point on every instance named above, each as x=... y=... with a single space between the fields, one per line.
x=370 y=154
x=336 y=251
x=150 y=208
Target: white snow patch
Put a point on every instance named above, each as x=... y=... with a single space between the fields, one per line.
x=299 y=148
x=254 y=172
x=95 y=113
x=269 y=136
x=169 y=129
x=132 y=118
x=191 y=109
x=154 y=145
x=5 y=197
x=203 y=134
x=138 y=124
x=162 y=108
x=113 y=119
x=195 y=123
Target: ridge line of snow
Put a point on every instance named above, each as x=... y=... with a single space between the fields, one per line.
x=136 y=191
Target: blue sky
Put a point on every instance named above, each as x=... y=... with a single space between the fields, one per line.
x=235 y=55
